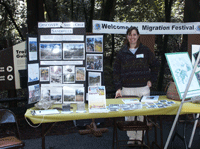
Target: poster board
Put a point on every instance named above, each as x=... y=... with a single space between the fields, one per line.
x=181 y=69
x=63 y=57
x=195 y=51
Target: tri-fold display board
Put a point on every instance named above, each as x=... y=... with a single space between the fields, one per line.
x=63 y=61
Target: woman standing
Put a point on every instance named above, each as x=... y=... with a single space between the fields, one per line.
x=134 y=71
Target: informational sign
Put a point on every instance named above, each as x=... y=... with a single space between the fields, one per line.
x=146 y=27
x=13 y=59
x=181 y=69
x=19 y=61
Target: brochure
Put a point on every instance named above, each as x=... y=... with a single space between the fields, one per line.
x=152 y=107
x=138 y=105
x=127 y=101
x=97 y=99
x=33 y=72
x=149 y=98
x=114 y=107
x=161 y=106
x=32 y=48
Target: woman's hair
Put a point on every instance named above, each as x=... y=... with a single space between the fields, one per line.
x=129 y=30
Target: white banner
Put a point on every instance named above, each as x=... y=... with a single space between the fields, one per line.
x=146 y=27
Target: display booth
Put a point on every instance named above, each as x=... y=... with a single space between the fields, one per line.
x=63 y=61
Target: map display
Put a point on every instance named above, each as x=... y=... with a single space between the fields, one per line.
x=181 y=69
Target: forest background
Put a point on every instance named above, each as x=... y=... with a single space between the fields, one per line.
x=18 y=18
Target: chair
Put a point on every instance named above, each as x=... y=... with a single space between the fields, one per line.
x=9 y=139
x=131 y=126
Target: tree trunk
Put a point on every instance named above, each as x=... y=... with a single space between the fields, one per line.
x=72 y=10
x=113 y=49
x=13 y=21
x=168 y=5
x=55 y=10
x=35 y=14
x=191 y=14
x=89 y=29
x=108 y=9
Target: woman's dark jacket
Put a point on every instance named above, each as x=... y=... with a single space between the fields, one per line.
x=135 y=70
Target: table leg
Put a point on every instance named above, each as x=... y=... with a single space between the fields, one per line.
x=45 y=131
x=193 y=131
x=43 y=136
x=161 y=132
x=114 y=132
x=182 y=137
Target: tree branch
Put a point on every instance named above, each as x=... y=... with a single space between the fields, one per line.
x=10 y=15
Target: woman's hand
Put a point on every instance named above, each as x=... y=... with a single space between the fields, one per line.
x=149 y=84
x=118 y=93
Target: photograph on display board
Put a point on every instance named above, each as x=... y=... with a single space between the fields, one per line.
x=94 y=79
x=50 y=51
x=73 y=94
x=34 y=93
x=80 y=73
x=56 y=94
x=44 y=74
x=33 y=72
x=89 y=44
x=198 y=76
x=195 y=56
x=32 y=48
x=94 y=43
x=73 y=51
x=195 y=53
x=45 y=93
x=69 y=95
x=69 y=74
x=56 y=74
x=94 y=62
x=80 y=94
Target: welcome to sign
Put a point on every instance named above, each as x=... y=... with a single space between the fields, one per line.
x=146 y=27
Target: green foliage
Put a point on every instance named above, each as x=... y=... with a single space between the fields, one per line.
x=139 y=11
x=15 y=10
x=177 y=11
x=79 y=11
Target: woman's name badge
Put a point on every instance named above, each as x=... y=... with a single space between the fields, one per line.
x=140 y=56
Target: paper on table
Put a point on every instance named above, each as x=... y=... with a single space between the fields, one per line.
x=127 y=101
x=149 y=99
